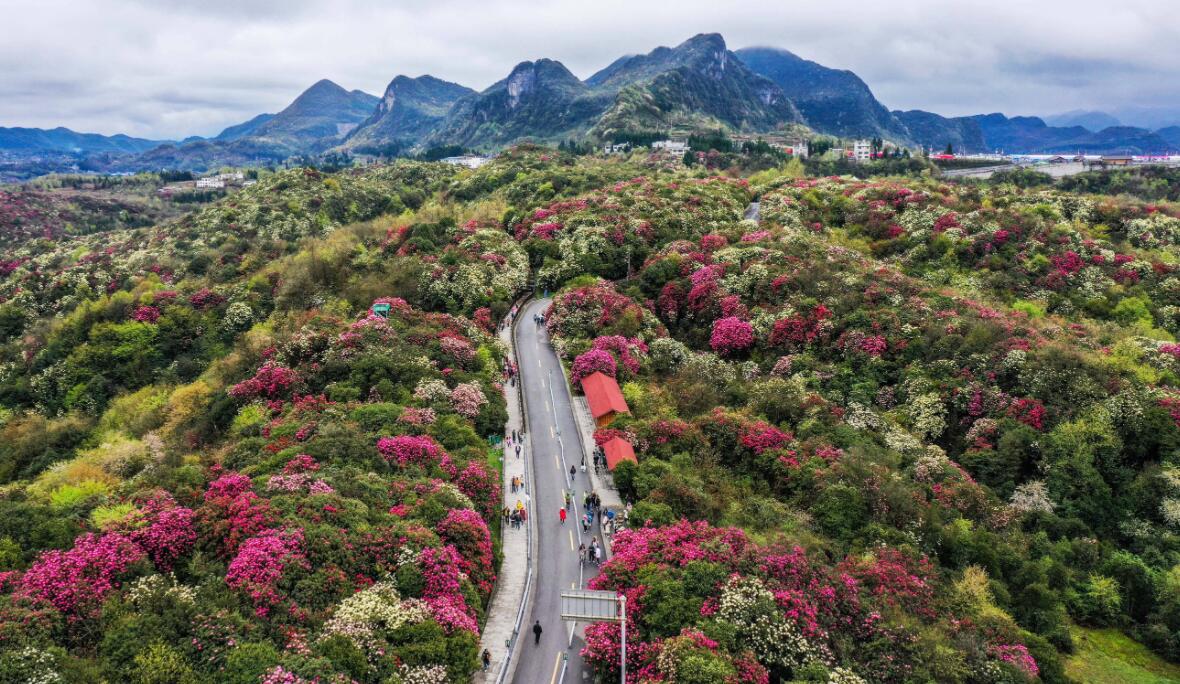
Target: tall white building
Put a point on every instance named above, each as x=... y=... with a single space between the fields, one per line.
x=862 y=150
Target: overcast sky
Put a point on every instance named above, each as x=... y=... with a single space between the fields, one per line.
x=172 y=68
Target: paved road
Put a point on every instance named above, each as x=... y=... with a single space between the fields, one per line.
x=550 y=424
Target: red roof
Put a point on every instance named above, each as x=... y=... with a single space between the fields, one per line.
x=617 y=450
x=603 y=395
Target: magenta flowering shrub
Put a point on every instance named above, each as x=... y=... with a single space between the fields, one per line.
x=77 y=580
x=259 y=566
x=467 y=532
x=205 y=299
x=232 y=512
x=270 y=382
x=442 y=571
x=167 y=533
x=628 y=351
x=482 y=486
x=731 y=336
x=1018 y=656
x=405 y=450
x=760 y=436
x=593 y=361
x=146 y=314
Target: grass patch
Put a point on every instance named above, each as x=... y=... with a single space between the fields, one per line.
x=1108 y=655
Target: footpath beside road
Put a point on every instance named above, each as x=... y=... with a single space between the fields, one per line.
x=500 y=631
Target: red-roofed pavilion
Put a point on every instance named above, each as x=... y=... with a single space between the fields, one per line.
x=618 y=450
x=604 y=397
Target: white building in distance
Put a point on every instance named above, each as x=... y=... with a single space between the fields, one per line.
x=862 y=151
x=471 y=161
x=671 y=145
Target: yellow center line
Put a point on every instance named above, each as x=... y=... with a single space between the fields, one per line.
x=556 y=665
x=572 y=547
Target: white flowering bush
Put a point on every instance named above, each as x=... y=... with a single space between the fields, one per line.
x=1032 y=497
x=367 y=615
x=749 y=606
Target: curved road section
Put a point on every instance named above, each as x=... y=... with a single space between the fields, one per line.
x=555 y=447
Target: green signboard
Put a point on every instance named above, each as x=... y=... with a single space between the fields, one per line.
x=381 y=310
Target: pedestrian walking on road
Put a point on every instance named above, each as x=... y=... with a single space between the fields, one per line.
x=561 y=514
x=486 y=658
x=518 y=450
x=581 y=553
x=537 y=632
x=569 y=500
x=573 y=473
x=585 y=523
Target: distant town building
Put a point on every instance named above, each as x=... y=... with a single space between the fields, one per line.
x=210 y=182
x=797 y=148
x=616 y=148
x=471 y=161
x=862 y=151
x=671 y=145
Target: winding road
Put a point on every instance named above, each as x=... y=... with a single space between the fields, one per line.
x=555 y=447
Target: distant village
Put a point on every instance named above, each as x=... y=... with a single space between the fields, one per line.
x=219 y=181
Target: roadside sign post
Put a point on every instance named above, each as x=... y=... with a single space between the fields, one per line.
x=598 y=606
x=381 y=309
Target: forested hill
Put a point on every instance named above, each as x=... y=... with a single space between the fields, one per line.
x=900 y=430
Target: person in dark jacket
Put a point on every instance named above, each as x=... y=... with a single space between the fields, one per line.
x=537 y=632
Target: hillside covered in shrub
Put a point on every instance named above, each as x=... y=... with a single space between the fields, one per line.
x=899 y=431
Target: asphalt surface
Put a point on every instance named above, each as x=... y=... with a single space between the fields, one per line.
x=551 y=427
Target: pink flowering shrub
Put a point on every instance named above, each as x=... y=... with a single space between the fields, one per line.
x=1028 y=411
x=458 y=349
x=146 y=314
x=270 y=382
x=466 y=530
x=410 y=450
x=260 y=564
x=593 y=361
x=731 y=335
x=800 y=330
x=417 y=416
x=626 y=350
x=77 y=580
x=231 y=513
x=760 y=436
x=205 y=299
x=1018 y=656
x=441 y=569
x=468 y=399
x=169 y=532
x=482 y=486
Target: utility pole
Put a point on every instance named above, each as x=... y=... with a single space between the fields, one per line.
x=623 y=637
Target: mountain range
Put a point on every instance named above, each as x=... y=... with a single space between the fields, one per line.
x=697 y=85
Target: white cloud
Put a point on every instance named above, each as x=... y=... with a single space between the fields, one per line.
x=167 y=68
